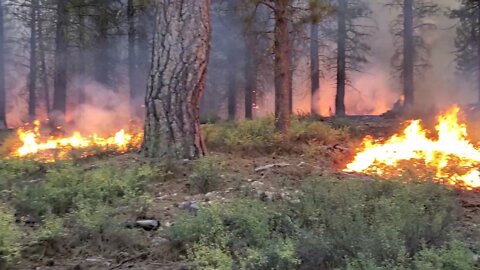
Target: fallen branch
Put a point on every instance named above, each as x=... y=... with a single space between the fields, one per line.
x=270 y=166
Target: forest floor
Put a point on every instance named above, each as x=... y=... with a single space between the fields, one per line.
x=178 y=189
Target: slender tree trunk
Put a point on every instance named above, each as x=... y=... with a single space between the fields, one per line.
x=250 y=77
x=232 y=86
x=314 y=65
x=478 y=51
x=32 y=77
x=341 y=58
x=102 y=58
x=3 y=117
x=408 y=54
x=82 y=64
x=43 y=65
x=132 y=74
x=60 y=77
x=177 y=80
x=282 y=53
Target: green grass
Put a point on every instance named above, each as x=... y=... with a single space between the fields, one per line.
x=260 y=136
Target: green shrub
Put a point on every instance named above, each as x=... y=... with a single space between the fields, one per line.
x=452 y=257
x=67 y=187
x=13 y=171
x=206 y=175
x=384 y=220
x=9 y=235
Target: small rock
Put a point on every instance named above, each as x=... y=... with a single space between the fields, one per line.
x=249 y=180
x=191 y=207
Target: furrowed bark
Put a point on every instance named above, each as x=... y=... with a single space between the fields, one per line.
x=341 y=59
x=177 y=80
x=60 y=77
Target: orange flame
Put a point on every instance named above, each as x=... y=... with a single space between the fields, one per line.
x=451 y=148
x=54 y=148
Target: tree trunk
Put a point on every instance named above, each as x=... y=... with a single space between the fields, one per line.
x=102 y=59
x=282 y=67
x=177 y=80
x=314 y=65
x=408 y=54
x=250 y=77
x=341 y=58
x=3 y=118
x=478 y=52
x=32 y=77
x=232 y=87
x=132 y=74
x=60 y=77
x=43 y=66
x=82 y=64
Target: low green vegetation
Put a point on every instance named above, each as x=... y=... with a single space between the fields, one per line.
x=348 y=224
x=206 y=175
x=259 y=135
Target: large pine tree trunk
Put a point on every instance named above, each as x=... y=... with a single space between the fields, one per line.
x=282 y=67
x=177 y=80
x=408 y=54
x=60 y=77
x=32 y=77
x=341 y=58
x=3 y=118
x=314 y=66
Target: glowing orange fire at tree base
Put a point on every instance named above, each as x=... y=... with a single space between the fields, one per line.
x=451 y=156
x=50 y=149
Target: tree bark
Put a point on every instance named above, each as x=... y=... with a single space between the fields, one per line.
x=177 y=80
x=408 y=54
x=314 y=65
x=43 y=65
x=60 y=77
x=132 y=73
x=3 y=118
x=478 y=52
x=102 y=59
x=232 y=87
x=341 y=58
x=32 y=77
x=282 y=53
x=82 y=64
x=250 y=77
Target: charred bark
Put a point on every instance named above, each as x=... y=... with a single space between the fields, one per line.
x=282 y=67
x=177 y=80
x=314 y=65
x=60 y=76
x=408 y=54
x=32 y=77
x=341 y=58
x=3 y=118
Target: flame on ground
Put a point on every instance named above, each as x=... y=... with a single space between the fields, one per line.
x=53 y=148
x=453 y=158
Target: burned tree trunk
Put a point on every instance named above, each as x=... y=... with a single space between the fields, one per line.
x=32 y=77
x=177 y=80
x=314 y=65
x=3 y=118
x=232 y=94
x=282 y=66
x=341 y=58
x=60 y=77
x=408 y=54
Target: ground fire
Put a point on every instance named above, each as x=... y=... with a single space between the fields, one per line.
x=451 y=156
x=56 y=147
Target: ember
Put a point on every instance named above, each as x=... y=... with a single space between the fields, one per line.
x=452 y=156
x=52 y=148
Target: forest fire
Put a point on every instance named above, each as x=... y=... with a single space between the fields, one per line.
x=452 y=158
x=51 y=148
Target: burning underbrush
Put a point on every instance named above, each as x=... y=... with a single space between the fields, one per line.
x=47 y=143
x=449 y=156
